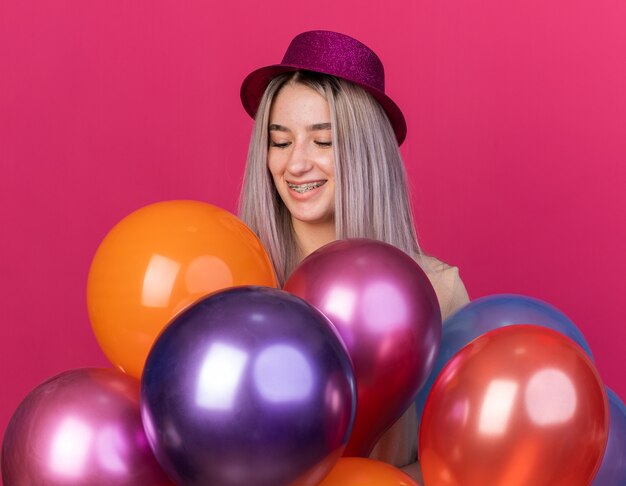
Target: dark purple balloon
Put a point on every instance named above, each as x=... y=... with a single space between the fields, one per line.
x=81 y=427
x=613 y=469
x=250 y=385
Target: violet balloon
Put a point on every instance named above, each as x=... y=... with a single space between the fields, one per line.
x=81 y=427
x=387 y=313
x=613 y=468
x=250 y=385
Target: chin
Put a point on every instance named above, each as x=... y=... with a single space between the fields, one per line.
x=313 y=218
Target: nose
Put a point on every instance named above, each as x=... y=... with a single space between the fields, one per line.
x=300 y=160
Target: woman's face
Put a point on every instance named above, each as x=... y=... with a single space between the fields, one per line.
x=300 y=153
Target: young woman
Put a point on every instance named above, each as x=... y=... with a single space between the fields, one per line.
x=324 y=164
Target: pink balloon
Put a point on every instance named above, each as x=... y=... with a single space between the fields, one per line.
x=81 y=427
x=387 y=313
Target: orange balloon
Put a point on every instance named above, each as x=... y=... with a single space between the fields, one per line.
x=159 y=260
x=519 y=405
x=358 y=471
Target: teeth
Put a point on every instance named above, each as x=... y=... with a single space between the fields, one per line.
x=302 y=188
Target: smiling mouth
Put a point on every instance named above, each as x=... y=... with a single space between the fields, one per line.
x=309 y=186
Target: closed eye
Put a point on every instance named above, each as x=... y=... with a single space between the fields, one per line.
x=279 y=145
x=324 y=144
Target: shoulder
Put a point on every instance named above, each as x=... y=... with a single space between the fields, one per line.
x=447 y=283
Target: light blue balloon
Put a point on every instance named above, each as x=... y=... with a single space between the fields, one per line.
x=489 y=313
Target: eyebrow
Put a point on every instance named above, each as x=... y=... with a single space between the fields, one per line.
x=275 y=127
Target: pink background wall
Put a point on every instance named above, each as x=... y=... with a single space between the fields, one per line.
x=516 y=148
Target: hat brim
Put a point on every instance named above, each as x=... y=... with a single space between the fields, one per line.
x=256 y=82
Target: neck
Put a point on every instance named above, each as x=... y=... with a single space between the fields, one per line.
x=311 y=236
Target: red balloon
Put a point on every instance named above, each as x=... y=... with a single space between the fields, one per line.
x=519 y=405
x=387 y=313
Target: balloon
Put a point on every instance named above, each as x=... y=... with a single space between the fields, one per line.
x=519 y=405
x=80 y=428
x=157 y=261
x=358 y=471
x=387 y=313
x=613 y=469
x=250 y=385
x=493 y=312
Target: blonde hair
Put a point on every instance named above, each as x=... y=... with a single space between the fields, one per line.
x=371 y=195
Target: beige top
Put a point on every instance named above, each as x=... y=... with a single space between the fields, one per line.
x=398 y=446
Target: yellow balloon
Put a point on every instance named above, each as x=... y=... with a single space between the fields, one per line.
x=159 y=260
